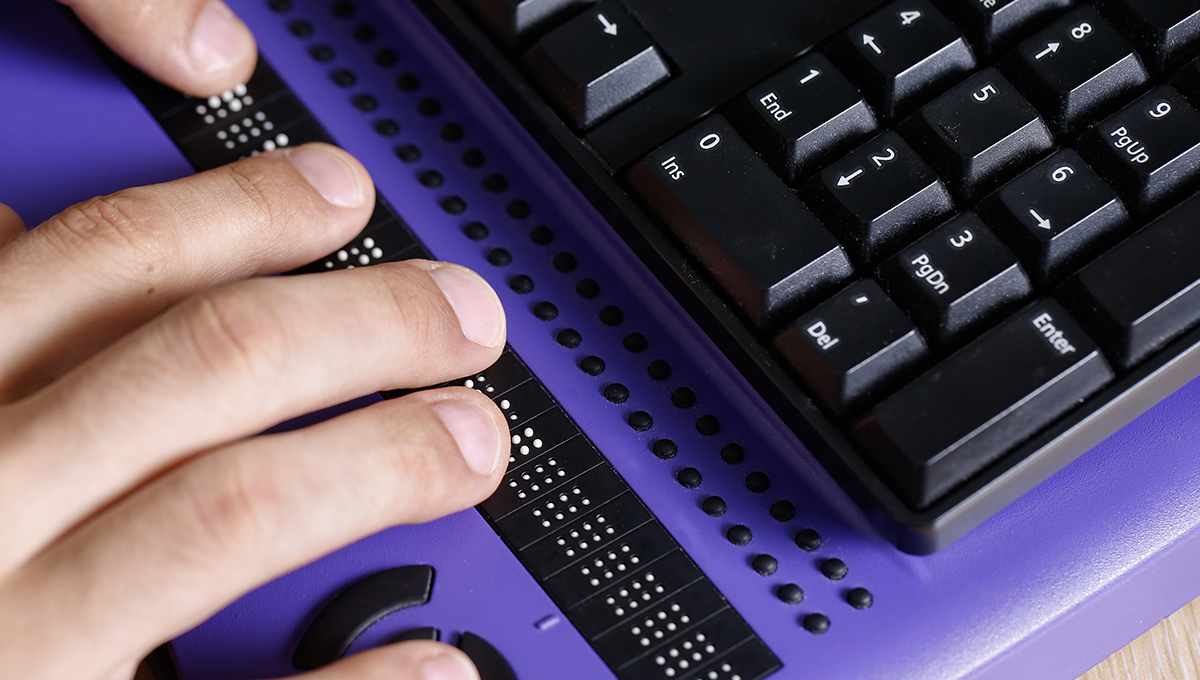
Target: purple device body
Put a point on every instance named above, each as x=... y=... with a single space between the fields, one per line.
x=1050 y=586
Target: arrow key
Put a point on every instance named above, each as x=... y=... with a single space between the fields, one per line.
x=1056 y=216
x=596 y=63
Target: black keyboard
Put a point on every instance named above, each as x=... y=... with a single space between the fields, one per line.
x=955 y=243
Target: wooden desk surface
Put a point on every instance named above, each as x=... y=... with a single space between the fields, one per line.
x=1168 y=651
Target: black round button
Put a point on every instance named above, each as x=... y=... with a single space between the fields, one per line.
x=758 y=482
x=689 y=477
x=714 y=506
x=683 y=397
x=765 y=564
x=640 y=421
x=565 y=262
x=521 y=284
x=860 y=598
x=834 y=569
x=518 y=209
x=612 y=315
x=665 y=449
x=659 y=370
x=808 y=540
x=636 y=342
x=790 y=593
x=783 y=511
x=816 y=623
x=455 y=205
x=476 y=231
x=708 y=425
x=541 y=235
x=733 y=454
x=569 y=338
x=739 y=534
x=387 y=127
x=588 y=289
x=592 y=365
x=499 y=257
x=616 y=393
x=546 y=311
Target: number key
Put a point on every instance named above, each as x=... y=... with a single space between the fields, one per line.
x=1076 y=70
x=1055 y=215
x=955 y=279
x=877 y=195
x=979 y=133
x=902 y=53
x=1149 y=151
x=993 y=25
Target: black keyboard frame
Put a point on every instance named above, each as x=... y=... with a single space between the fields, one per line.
x=918 y=531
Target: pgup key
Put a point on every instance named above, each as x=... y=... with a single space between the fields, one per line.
x=734 y=215
x=1149 y=151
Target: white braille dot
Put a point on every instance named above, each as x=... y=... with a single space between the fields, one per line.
x=243 y=139
x=210 y=120
x=222 y=113
x=342 y=256
x=354 y=251
x=247 y=100
x=260 y=116
x=328 y=264
x=710 y=649
x=222 y=135
x=255 y=132
x=659 y=660
x=268 y=145
x=235 y=128
x=235 y=105
x=505 y=404
x=227 y=95
x=229 y=145
x=268 y=126
x=281 y=139
x=240 y=90
x=214 y=102
x=377 y=253
x=529 y=432
x=201 y=110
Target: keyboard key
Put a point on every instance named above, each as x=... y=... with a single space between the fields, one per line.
x=902 y=54
x=856 y=344
x=802 y=116
x=1163 y=30
x=1149 y=151
x=516 y=21
x=596 y=63
x=878 y=195
x=1076 y=70
x=1143 y=293
x=955 y=279
x=979 y=133
x=993 y=26
x=1187 y=81
x=982 y=401
x=1055 y=216
x=739 y=219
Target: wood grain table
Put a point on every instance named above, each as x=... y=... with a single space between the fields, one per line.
x=1168 y=651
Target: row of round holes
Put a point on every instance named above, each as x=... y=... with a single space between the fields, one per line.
x=683 y=397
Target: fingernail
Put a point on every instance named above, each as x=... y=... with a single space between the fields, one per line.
x=479 y=311
x=329 y=173
x=448 y=667
x=473 y=430
x=219 y=39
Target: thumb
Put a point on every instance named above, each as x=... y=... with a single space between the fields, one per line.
x=196 y=46
x=415 y=660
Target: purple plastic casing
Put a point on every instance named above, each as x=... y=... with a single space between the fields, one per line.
x=1050 y=586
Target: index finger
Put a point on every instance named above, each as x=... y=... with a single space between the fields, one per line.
x=196 y=46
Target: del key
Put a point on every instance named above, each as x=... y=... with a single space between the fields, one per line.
x=739 y=220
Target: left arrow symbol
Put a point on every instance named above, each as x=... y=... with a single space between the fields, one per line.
x=609 y=27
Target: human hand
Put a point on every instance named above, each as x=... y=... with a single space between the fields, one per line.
x=137 y=362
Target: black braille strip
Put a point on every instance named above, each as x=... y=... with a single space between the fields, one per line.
x=546 y=311
x=429 y=107
x=569 y=338
x=689 y=477
x=714 y=506
x=659 y=370
x=455 y=205
x=636 y=342
x=408 y=153
x=616 y=393
x=301 y=28
x=683 y=397
x=765 y=564
x=612 y=316
x=665 y=449
x=408 y=82
x=452 y=132
x=473 y=158
x=518 y=209
x=495 y=183
x=860 y=598
x=342 y=9
x=565 y=262
x=280 y=6
x=808 y=540
x=834 y=569
x=758 y=482
x=521 y=284
x=344 y=77
x=431 y=179
x=588 y=289
x=783 y=511
x=365 y=103
x=541 y=235
x=476 y=231
x=816 y=623
x=790 y=593
x=733 y=454
x=386 y=57
x=592 y=365
x=499 y=257
x=641 y=421
x=708 y=425
x=739 y=534
x=322 y=53
x=365 y=33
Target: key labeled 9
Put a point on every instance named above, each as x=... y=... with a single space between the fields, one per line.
x=1160 y=109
